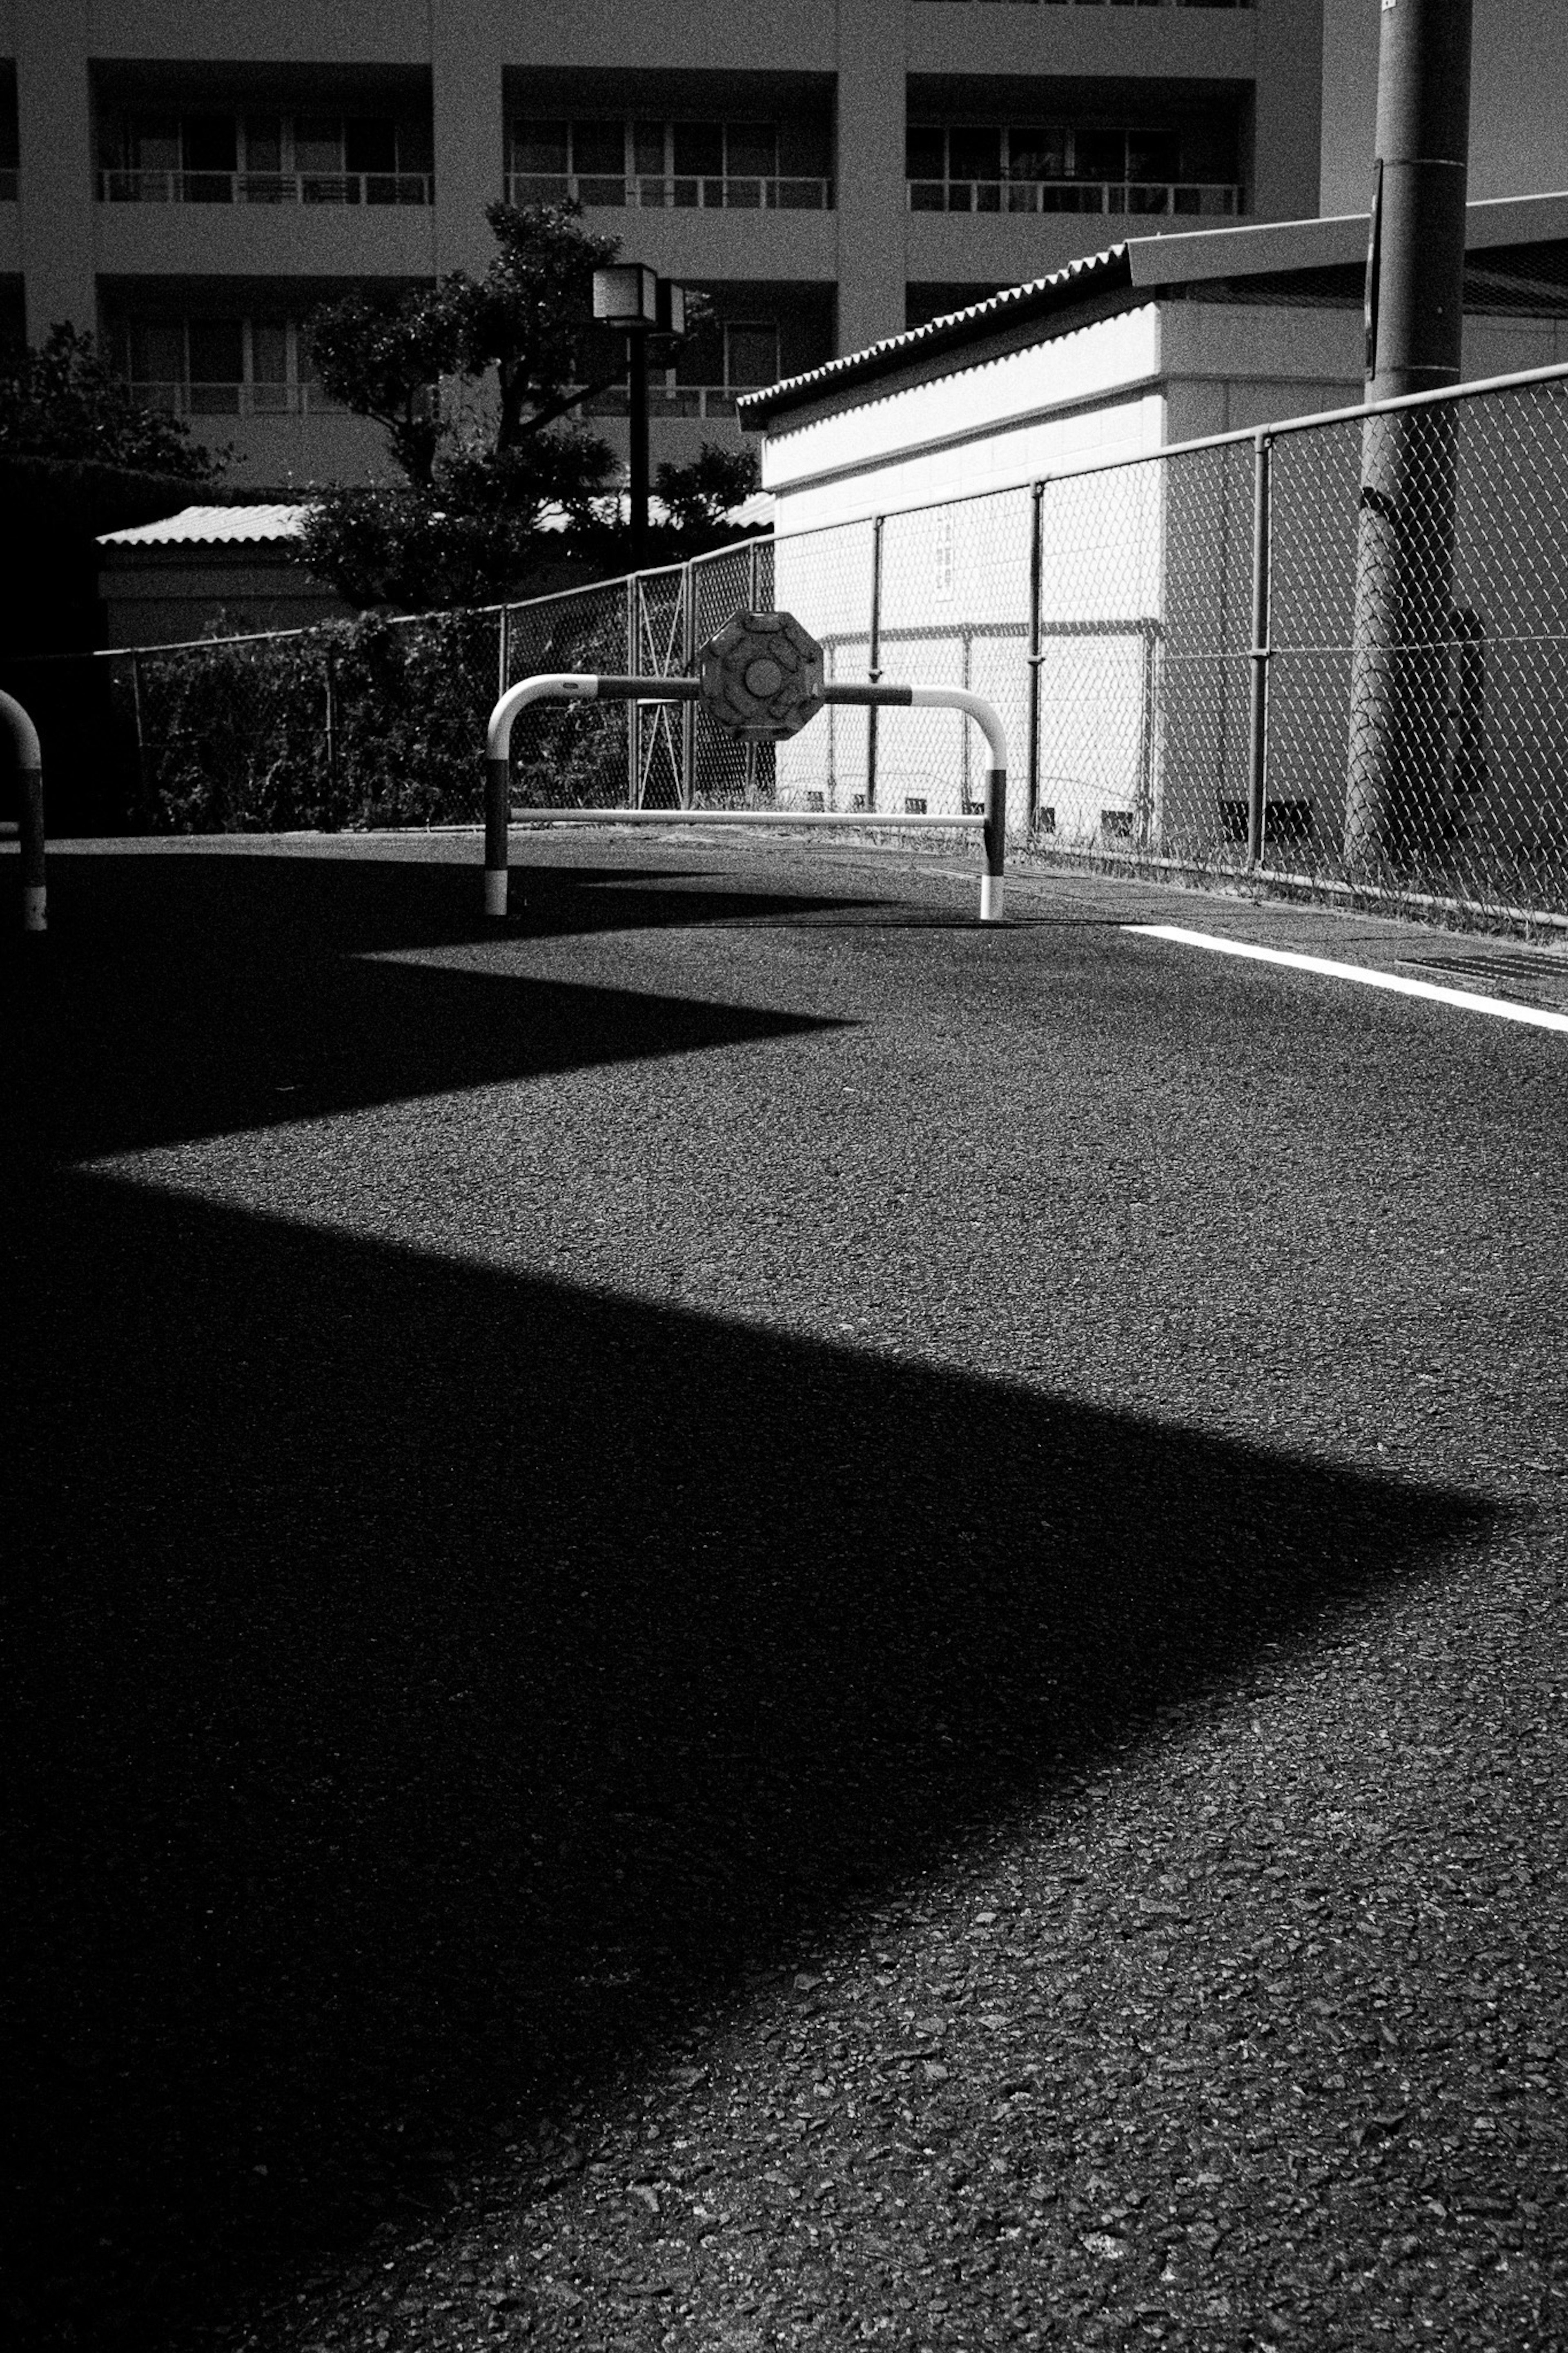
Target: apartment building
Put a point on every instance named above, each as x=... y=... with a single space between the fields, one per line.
x=193 y=180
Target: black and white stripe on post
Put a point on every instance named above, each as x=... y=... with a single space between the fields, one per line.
x=29 y=761
x=566 y=686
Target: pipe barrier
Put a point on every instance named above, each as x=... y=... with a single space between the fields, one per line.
x=570 y=686
x=29 y=762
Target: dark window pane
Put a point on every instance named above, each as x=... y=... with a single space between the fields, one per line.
x=210 y=141
x=217 y=350
x=263 y=143
x=752 y=151
x=647 y=148
x=155 y=144
x=539 y=147
x=1153 y=155
x=158 y=352
x=600 y=148
x=699 y=149
x=974 y=154
x=1037 y=154
x=269 y=351
x=1100 y=154
x=925 y=155
x=317 y=144
x=701 y=358
x=369 y=144
x=753 y=356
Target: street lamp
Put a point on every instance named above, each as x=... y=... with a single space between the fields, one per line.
x=639 y=302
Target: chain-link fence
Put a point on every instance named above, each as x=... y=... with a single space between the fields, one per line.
x=1330 y=655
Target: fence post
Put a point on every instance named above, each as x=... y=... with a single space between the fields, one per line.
x=1257 y=737
x=634 y=710
x=874 y=660
x=1034 y=657
x=688 y=709
x=503 y=652
x=755 y=602
x=143 y=812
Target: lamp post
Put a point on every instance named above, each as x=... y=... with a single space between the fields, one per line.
x=639 y=302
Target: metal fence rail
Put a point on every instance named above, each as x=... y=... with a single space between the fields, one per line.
x=1177 y=644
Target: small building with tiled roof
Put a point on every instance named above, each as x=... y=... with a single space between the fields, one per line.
x=1159 y=340
x=210 y=569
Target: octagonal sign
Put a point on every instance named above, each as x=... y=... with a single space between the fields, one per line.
x=762 y=676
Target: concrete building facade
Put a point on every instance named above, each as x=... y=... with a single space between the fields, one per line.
x=194 y=180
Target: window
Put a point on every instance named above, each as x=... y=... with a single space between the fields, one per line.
x=1066 y=167
x=751 y=356
x=220 y=366
x=683 y=164
x=265 y=158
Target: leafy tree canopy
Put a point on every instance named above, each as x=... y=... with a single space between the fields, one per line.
x=65 y=401
x=474 y=381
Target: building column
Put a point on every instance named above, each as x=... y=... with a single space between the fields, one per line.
x=873 y=72
x=466 y=54
x=55 y=160
x=1288 y=115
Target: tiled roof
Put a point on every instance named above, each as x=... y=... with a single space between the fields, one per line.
x=1251 y=251
x=212 y=527
x=1015 y=303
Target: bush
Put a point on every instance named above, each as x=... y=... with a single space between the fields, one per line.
x=361 y=724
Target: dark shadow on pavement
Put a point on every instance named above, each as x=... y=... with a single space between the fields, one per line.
x=190 y=995
x=436 y=1689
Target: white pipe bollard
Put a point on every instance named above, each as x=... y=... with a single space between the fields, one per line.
x=29 y=761
x=586 y=686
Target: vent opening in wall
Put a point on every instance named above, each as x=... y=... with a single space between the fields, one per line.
x=1116 y=825
x=815 y=801
x=1044 y=820
x=914 y=805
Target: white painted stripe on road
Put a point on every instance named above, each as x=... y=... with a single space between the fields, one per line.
x=1535 y=1017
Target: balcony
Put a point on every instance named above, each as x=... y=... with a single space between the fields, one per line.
x=155 y=187
x=180 y=399
x=672 y=191
x=704 y=400
x=1208 y=199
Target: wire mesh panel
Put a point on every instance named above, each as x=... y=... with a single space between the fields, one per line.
x=1100 y=544
x=724 y=773
x=1419 y=683
x=1193 y=800
x=570 y=754
x=825 y=579
x=953 y=611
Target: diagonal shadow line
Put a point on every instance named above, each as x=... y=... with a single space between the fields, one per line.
x=198 y=995
x=436 y=1688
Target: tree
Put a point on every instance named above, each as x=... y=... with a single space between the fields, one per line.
x=381 y=351
x=472 y=381
x=700 y=498
x=65 y=401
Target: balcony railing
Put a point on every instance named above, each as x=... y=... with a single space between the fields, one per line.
x=1139 y=3
x=672 y=191
x=238 y=399
x=1208 y=197
x=678 y=400
x=265 y=187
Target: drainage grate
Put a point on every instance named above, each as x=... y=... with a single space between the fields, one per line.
x=1535 y=971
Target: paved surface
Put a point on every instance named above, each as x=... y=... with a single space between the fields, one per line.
x=747 y=1620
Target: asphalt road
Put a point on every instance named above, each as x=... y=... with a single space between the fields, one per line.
x=746 y=1618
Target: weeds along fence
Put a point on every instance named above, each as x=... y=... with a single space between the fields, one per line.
x=1189 y=671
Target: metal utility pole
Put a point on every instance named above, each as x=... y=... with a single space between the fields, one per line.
x=1397 y=784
